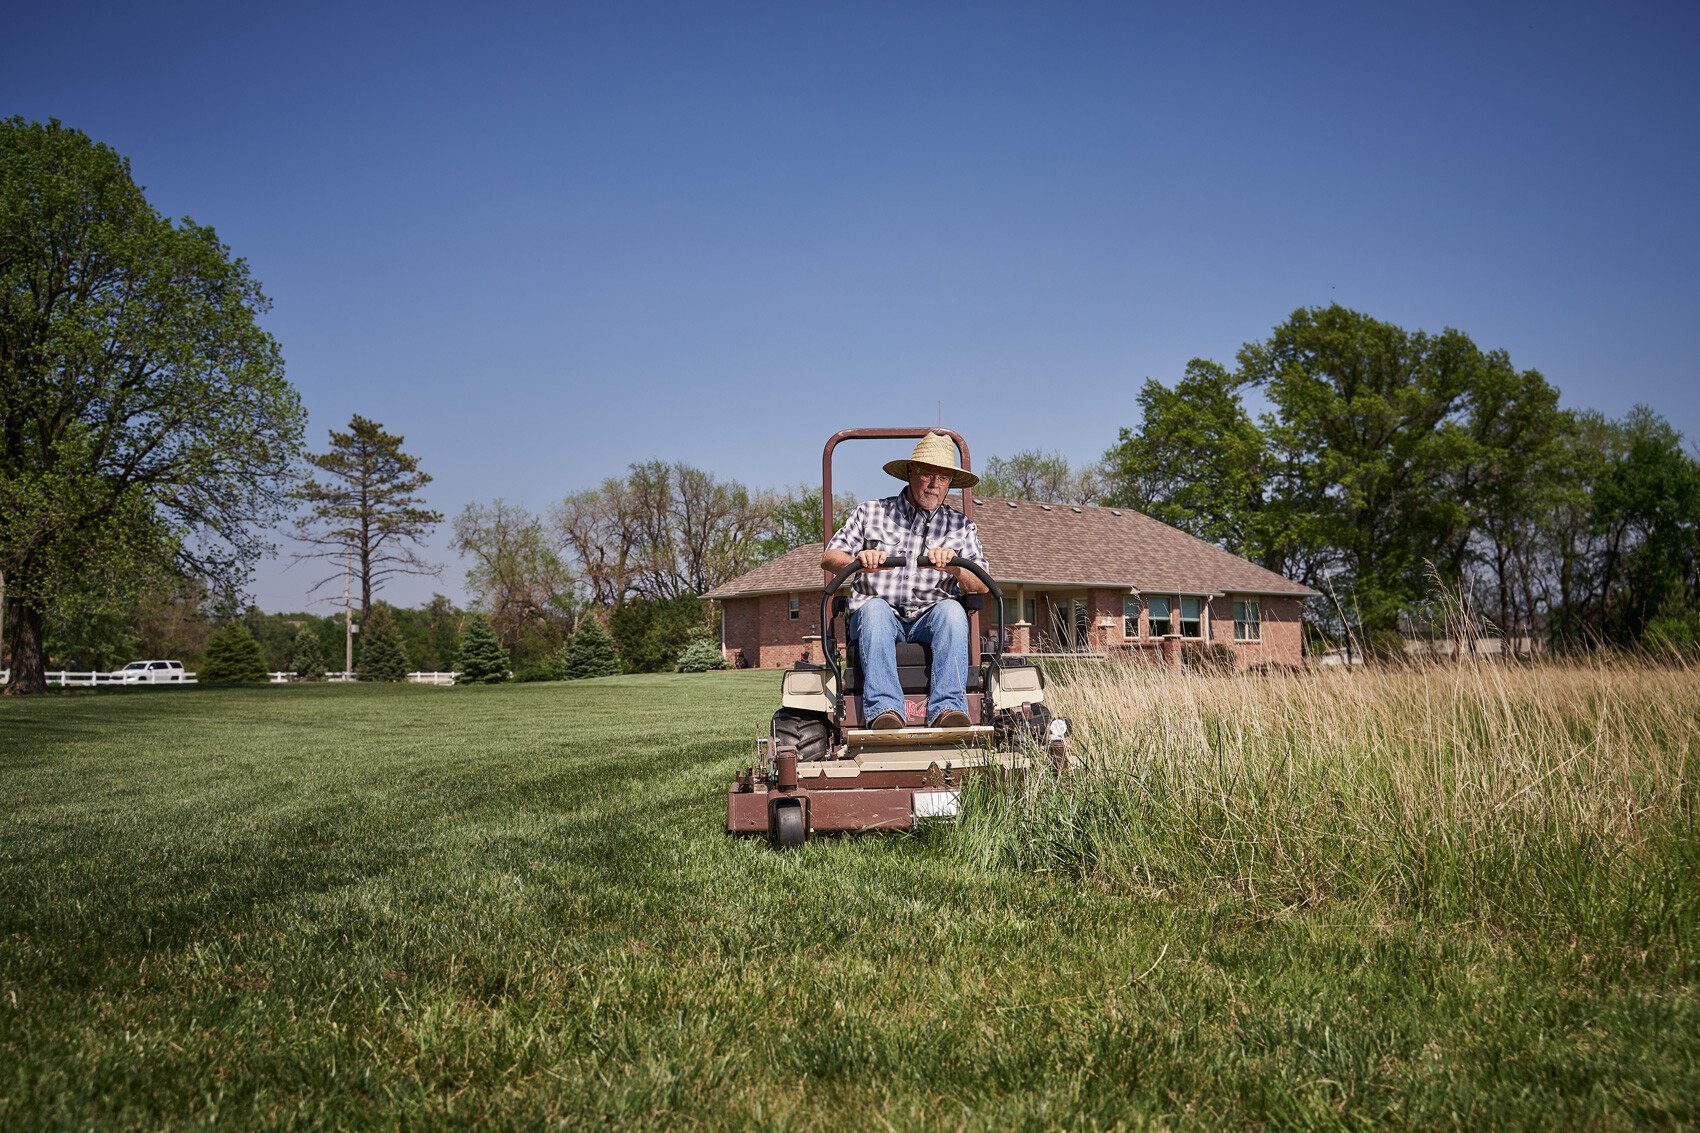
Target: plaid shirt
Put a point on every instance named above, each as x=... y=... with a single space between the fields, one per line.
x=902 y=530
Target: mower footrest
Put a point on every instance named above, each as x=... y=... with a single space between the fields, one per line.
x=974 y=734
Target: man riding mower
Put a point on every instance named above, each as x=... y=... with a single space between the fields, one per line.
x=883 y=739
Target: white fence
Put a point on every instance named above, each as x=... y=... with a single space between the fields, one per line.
x=344 y=678
x=67 y=679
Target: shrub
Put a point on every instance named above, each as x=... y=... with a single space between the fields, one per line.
x=550 y=668
x=232 y=656
x=306 y=660
x=382 y=655
x=1212 y=657
x=482 y=659
x=1386 y=646
x=1671 y=635
x=702 y=654
x=650 y=632
x=591 y=652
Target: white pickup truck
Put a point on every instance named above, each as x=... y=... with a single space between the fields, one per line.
x=149 y=672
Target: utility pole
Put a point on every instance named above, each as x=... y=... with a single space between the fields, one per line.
x=347 y=623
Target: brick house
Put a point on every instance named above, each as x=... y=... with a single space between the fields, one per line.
x=1075 y=579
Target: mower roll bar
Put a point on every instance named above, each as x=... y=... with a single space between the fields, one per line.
x=829 y=645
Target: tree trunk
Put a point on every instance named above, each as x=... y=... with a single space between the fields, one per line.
x=29 y=667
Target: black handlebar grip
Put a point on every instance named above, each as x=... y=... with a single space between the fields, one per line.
x=970 y=565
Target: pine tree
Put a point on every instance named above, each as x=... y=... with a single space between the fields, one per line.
x=366 y=511
x=482 y=659
x=306 y=659
x=591 y=652
x=382 y=655
x=233 y=655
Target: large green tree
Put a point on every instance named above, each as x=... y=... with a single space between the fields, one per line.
x=1383 y=456
x=1200 y=463
x=1511 y=476
x=363 y=512
x=1646 y=506
x=1372 y=416
x=144 y=417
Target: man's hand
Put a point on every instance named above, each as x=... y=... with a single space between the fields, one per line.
x=939 y=558
x=835 y=560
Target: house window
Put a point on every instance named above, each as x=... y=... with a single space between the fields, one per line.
x=1019 y=610
x=1130 y=616
x=1192 y=614
x=1157 y=611
x=796 y=608
x=1248 y=620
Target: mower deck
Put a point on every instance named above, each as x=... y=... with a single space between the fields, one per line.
x=889 y=780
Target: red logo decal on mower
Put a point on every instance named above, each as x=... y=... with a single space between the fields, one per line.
x=915 y=710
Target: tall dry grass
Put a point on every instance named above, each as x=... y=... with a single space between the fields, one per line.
x=1557 y=796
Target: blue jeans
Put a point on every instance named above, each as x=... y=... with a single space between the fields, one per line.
x=877 y=629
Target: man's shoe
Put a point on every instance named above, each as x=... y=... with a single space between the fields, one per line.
x=949 y=718
x=886 y=721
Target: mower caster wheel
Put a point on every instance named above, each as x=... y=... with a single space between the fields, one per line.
x=788 y=829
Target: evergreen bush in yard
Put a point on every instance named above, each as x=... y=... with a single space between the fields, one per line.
x=482 y=659
x=551 y=667
x=702 y=654
x=306 y=660
x=382 y=655
x=591 y=652
x=233 y=655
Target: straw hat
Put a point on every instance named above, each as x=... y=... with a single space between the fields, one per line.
x=935 y=451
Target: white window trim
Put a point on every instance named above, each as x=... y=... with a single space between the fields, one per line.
x=1174 y=603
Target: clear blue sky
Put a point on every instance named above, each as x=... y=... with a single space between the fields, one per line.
x=546 y=241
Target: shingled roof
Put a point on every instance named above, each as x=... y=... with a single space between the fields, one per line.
x=1065 y=545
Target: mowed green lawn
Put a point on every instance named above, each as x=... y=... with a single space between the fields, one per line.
x=516 y=907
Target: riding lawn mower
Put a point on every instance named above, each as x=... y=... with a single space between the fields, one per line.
x=821 y=769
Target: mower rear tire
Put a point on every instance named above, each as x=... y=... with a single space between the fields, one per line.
x=807 y=732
